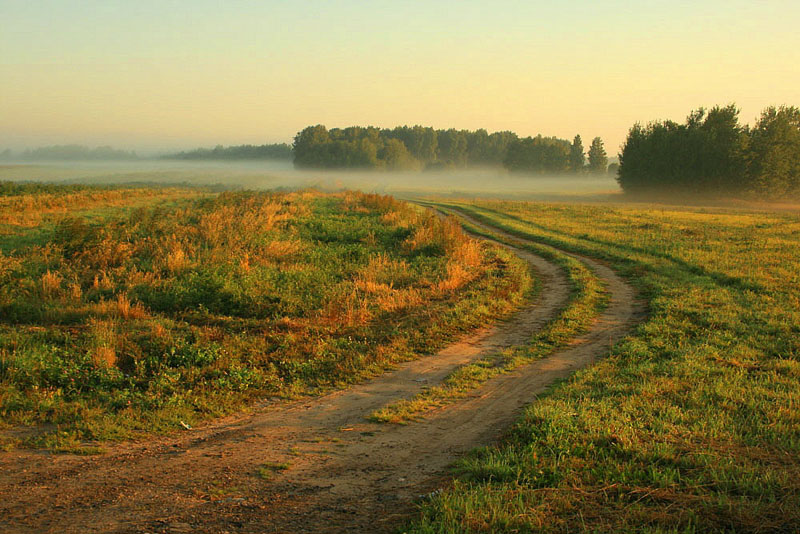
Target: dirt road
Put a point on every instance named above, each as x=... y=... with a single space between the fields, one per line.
x=328 y=468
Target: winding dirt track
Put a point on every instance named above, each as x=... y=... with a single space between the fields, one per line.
x=345 y=474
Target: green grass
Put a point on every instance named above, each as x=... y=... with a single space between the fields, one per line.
x=29 y=212
x=267 y=470
x=137 y=318
x=586 y=301
x=691 y=424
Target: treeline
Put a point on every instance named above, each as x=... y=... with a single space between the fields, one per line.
x=419 y=147
x=69 y=153
x=712 y=152
x=219 y=152
x=552 y=155
x=404 y=147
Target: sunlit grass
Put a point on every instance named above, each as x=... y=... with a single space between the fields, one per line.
x=586 y=301
x=689 y=425
x=152 y=318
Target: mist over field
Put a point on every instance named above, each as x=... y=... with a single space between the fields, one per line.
x=485 y=182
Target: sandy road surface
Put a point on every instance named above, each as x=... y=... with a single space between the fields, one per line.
x=344 y=474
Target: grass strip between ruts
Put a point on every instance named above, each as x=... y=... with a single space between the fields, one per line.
x=586 y=301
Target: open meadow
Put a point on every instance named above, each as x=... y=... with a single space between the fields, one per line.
x=146 y=309
x=690 y=424
x=642 y=373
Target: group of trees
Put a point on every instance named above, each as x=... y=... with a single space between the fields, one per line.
x=712 y=152
x=404 y=147
x=419 y=147
x=553 y=155
x=68 y=153
x=219 y=152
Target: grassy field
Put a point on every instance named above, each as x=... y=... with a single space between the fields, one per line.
x=692 y=424
x=128 y=310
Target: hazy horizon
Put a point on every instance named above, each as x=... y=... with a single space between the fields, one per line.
x=151 y=77
x=274 y=174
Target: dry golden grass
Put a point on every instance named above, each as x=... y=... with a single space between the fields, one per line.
x=348 y=311
x=176 y=260
x=102 y=282
x=127 y=310
x=8 y=264
x=51 y=284
x=74 y=291
x=146 y=278
x=104 y=357
x=397 y=219
x=467 y=253
x=31 y=210
x=104 y=334
x=457 y=277
x=280 y=249
x=397 y=300
x=432 y=232
x=423 y=236
x=159 y=331
x=107 y=253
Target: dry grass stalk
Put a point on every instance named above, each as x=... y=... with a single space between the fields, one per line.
x=457 y=277
x=51 y=284
x=127 y=310
x=105 y=339
x=104 y=357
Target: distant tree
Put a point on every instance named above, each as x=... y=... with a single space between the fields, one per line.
x=598 y=160
x=76 y=153
x=424 y=142
x=716 y=144
x=538 y=155
x=421 y=142
x=613 y=169
x=478 y=147
x=498 y=146
x=706 y=153
x=452 y=148
x=577 y=158
x=395 y=156
x=402 y=147
x=240 y=152
x=773 y=152
x=308 y=147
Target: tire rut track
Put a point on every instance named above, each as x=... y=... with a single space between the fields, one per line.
x=346 y=474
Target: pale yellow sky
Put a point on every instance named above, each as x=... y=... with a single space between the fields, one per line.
x=184 y=74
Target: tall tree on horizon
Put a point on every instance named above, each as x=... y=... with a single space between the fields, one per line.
x=598 y=159
x=577 y=159
x=774 y=152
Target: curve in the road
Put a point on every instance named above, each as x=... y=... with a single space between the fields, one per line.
x=344 y=474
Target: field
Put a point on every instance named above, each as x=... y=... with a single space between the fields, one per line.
x=128 y=310
x=655 y=350
x=691 y=424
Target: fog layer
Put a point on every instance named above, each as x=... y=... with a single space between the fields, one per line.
x=495 y=183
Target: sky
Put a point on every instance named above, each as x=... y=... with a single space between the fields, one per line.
x=160 y=75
